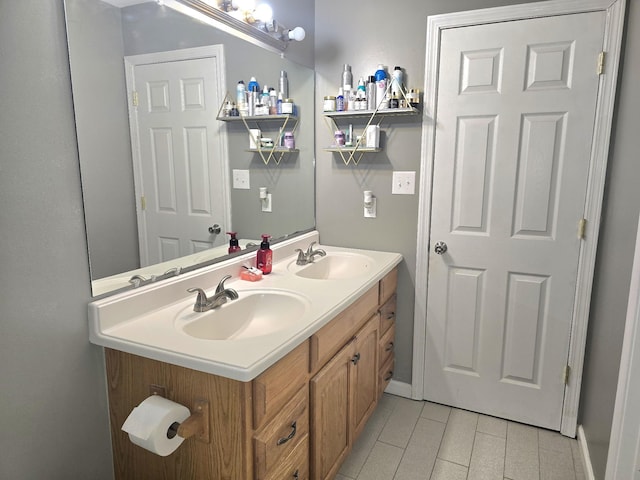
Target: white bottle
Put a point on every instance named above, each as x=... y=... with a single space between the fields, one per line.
x=397 y=82
x=381 y=87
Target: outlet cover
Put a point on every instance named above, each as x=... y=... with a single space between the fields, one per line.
x=241 y=180
x=266 y=203
x=370 y=212
x=404 y=183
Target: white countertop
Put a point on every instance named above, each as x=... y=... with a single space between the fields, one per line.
x=142 y=321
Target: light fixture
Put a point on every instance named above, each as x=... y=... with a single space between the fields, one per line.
x=242 y=18
x=297 y=34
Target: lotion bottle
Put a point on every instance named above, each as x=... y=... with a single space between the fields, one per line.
x=264 y=258
x=233 y=242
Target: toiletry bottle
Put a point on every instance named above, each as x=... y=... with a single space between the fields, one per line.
x=284 y=84
x=340 y=101
x=254 y=90
x=241 y=92
x=264 y=257
x=381 y=87
x=279 y=104
x=347 y=77
x=273 y=101
x=397 y=82
x=371 y=93
x=361 y=91
x=233 y=242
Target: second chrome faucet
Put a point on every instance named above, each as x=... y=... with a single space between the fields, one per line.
x=308 y=256
x=220 y=297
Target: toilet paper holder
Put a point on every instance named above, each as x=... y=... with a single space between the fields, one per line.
x=197 y=425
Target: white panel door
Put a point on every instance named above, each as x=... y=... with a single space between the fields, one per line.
x=180 y=155
x=515 y=113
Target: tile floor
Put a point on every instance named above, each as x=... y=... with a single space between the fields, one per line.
x=410 y=440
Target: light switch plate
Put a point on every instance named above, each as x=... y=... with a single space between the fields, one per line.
x=404 y=183
x=241 y=179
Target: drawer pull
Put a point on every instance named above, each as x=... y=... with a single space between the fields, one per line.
x=391 y=315
x=296 y=475
x=355 y=359
x=288 y=437
x=389 y=347
x=389 y=376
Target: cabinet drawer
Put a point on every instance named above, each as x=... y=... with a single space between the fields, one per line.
x=386 y=345
x=334 y=335
x=278 y=439
x=385 y=375
x=273 y=388
x=388 y=314
x=295 y=466
x=388 y=286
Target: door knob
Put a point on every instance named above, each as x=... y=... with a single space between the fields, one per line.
x=440 y=248
x=215 y=229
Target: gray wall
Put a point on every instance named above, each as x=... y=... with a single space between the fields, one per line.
x=615 y=255
x=54 y=407
x=339 y=40
x=96 y=50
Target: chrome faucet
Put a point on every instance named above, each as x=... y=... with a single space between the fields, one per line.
x=308 y=256
x=136 y=280
x=204 y=304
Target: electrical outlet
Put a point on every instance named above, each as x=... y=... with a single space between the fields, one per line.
x=404 y=183
x=370 y=212
x=241 y=179
x=266 y=203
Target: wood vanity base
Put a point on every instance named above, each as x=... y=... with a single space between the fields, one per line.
x=297 y=420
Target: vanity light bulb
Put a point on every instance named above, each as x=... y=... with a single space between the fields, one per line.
x=264 y=13
x=297 y=34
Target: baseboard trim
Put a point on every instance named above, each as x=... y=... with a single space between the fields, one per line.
x=584 y=447
x=400 y=389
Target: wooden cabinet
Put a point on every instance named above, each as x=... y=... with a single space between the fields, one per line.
x=343 y=395
x=297 y=420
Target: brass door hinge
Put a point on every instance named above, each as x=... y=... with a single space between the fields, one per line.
x=566 y=374
x=143 y=202
x=134 y=98
x=582 y=226
x=601 y=62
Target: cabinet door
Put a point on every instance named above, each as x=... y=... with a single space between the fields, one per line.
x=365 y=373
x=331 y=414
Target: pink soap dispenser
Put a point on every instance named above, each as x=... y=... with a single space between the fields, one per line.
x=233 y=243
x=264 y=258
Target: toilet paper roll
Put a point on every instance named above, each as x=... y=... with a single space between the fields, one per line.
x=149 y=422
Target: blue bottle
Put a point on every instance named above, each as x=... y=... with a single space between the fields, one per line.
x=381 y=86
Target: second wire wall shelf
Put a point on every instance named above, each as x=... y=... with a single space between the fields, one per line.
x=354 y=153
x=267 y=153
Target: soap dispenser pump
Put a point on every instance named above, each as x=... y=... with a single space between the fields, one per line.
x=233 y=242
x=264 y=258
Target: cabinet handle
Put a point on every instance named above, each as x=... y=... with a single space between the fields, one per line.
x=389 y=376
x=391 y=315
x=296 y=475
x=288 y=437
x=355 y=359
x=389 y=347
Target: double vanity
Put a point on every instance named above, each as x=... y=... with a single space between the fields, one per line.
x=288 y=372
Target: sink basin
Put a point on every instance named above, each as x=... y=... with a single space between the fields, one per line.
x=334 y=266
x=254 y=314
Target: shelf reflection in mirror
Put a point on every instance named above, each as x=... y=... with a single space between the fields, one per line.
x=100 y=37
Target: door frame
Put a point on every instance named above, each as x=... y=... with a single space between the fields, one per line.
x=195 y=53
x=595 y=186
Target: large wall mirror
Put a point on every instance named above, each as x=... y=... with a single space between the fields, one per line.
x=128 y=174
